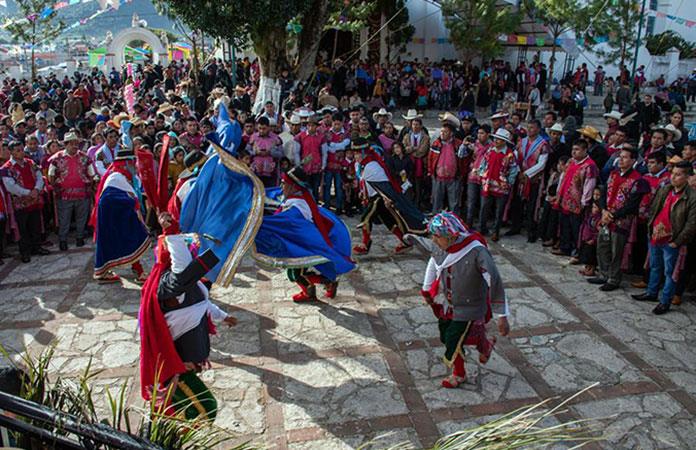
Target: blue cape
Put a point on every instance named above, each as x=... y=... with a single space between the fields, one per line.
x=229 y=133
x=288 y=240
x=226 y=203
x=121 y=236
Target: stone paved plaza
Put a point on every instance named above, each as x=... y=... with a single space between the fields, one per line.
x=335 y=374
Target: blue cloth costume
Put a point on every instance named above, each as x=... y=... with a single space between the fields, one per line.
x=120 y=235
x=225 y=206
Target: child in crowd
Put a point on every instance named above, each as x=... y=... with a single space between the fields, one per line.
x=549 y=214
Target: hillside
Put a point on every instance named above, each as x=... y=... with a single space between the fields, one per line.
x=96 y=28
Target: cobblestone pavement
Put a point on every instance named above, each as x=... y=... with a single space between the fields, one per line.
x=335 y=374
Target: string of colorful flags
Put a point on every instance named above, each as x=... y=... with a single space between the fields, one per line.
x=679 y=20
x=47 y=11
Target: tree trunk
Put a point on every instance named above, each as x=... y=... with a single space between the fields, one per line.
x=308 y=41
x=552 y=62
x=33 y=43
x=271 y=51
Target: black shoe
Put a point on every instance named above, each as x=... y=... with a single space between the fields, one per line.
x=41 y=251
x=660 y=309
x=608 y=287
x=596 y=280
x=63 y=245
x=26 y=259
x=80 y=242
x=531 y=239
x=644 y=297
x=511 y=232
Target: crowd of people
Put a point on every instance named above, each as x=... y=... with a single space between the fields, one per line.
x=164 y=151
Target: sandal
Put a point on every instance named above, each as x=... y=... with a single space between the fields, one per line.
x=362 y=249
x=402 y=247
x=107 y=278
x=453 y=382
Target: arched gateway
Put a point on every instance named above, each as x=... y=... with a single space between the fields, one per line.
x=115 y=55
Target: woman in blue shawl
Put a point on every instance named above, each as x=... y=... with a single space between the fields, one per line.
x=301 y=236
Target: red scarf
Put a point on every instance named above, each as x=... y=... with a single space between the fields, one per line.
x=370 y=156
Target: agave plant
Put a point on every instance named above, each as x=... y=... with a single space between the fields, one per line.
x=76 y=398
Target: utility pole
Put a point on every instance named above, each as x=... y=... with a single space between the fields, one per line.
x=635 y=54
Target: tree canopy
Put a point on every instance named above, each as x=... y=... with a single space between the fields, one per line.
x=658 y=44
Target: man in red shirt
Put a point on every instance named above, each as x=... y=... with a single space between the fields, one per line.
x=672 y=226
x=310 y=153
x=23 y=181
x=71 y=174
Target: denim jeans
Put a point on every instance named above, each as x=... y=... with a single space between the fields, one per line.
x=335 y=178
x=473 y=199
x=662 y=261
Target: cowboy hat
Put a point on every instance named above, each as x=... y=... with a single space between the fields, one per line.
x=591 y=133
x=304 y=113
x=499 y=115
x=503 y=134
x=116 y=121
x=218 y=91
x=137 y=121
x=449 y=118
x=412 y=114
x=676 y=133
x=557 y=127
x=165 y=107
x=70 y=137
x=613 y=115
x=295 y=120
x=382 y=112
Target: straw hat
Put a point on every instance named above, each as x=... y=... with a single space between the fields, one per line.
x=674 y=131
x=591 y=133
x=116 y=121
x=70 y=137
x=557 y=127
x=165 y=107
x=613 y=115
x=412 y=114
x=503 y=134
x=382 y=112
x=450 y=118
x=500 y=115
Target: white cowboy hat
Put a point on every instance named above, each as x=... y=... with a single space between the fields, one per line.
x=295 y=120
x=499 y=115
x=613 y=115
x=676 y=133
x=450 y=118
x=382 y=112
x=412 y=114
x=503 y=134
x=304 y=113
x=165 y=107
x=557 y=127
x=70 y=137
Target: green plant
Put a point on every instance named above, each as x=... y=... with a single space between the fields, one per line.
x=77 y=398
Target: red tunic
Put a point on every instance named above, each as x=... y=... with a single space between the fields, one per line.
x=571 y=189
x=618 y=191
x=310 y=146
x=72 y=180
x=655 y=182
x=25 y=176
x=662 y=225
x=494 y=181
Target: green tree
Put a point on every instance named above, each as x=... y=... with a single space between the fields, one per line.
x=560 y=17
x=658 y=44
x=617 y=20
x=36 y=24
x=475 y=26
x=264 y=24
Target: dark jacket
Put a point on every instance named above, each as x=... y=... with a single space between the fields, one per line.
x=682 y=216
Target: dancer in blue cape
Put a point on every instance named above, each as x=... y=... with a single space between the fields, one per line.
x=119 y=230
x=225 y=205
x=301 y=236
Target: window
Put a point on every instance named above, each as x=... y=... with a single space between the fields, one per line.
x=651 y=26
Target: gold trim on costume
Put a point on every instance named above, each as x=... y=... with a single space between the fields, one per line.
x=287 y=263
x=458 y=350
x=194 y=399
x=253 y=222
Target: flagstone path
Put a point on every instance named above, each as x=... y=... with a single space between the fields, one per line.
x=336 y=374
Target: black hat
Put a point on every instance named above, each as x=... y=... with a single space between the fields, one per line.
x=296 y=176
x=124 y=153
x=192 y=161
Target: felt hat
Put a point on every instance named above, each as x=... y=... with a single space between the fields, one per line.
x=557 y=127
x=449 y=118
x=503 y=134
x=613 y=115
x=382 y=112
x=674 y=131
x=412 y=114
